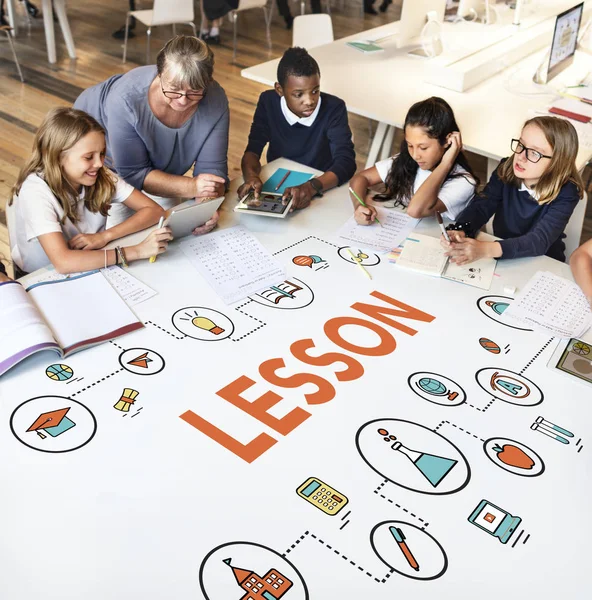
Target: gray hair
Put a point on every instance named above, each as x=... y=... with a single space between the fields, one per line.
x=187 y=61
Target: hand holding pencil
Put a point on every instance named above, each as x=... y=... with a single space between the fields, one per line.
x=365 y=214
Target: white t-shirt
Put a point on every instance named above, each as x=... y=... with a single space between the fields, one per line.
x=455 y=193
x=36 y=211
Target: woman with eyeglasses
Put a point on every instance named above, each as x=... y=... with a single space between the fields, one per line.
x=531 y=196
x=162 y=119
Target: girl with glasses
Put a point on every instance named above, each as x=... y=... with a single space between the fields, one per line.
x=531 y=196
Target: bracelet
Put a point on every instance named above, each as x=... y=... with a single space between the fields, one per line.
x=121 y=256
x=105 y=258
x=116 y=257
x=124 y=257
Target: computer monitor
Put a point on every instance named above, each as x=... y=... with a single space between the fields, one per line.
x=565 y=40
x=414 y=17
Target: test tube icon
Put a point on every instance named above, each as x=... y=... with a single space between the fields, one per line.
x=559 y=434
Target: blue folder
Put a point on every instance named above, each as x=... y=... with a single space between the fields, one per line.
x=293 y=179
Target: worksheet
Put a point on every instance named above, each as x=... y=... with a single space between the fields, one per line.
x=233 y=262
x=393 y=228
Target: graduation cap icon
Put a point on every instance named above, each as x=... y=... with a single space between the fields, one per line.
x=53 y=423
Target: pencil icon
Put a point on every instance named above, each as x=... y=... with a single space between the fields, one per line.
x=400 y=539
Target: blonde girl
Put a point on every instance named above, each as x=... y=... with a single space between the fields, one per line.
x=532 y=195
x=62 y=197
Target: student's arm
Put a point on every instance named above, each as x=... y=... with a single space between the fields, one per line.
x=147 y=213
x=66 y=260
x=259 y=136
x=581 y=267
x=360 y=182
x=425 y=201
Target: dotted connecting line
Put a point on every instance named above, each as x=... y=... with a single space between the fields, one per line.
x=536 y=356
x=329 y=547
x=460 y=429
x=116 y=345
x=96 y=382
x=310 y=237
x=405 y=510
x=482 y=409
x=262 y=324
x=169 y=333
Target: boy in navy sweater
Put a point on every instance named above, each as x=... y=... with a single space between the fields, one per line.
x=303 y=125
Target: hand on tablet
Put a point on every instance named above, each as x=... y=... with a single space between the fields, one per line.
x=207 y=227
x=209 y=186
x=253 y=184
x=301 y=195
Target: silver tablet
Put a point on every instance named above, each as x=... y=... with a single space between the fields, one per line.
x=183 y=219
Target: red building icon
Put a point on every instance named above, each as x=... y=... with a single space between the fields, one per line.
x=272 y=586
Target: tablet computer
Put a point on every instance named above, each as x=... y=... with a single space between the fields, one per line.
x=269 y=205
x=183 y=219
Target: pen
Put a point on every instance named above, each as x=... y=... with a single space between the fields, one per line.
x=359 y=264
x=441 y=223
x=153 y=258
x=279 y=185
x=363 y=204
x=400 y=539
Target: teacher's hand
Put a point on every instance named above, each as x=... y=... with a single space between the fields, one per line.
x=208 y=226
x=253 y=184
x=209 y=186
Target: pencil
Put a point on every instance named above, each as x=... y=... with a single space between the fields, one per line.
x=441 y=223
x=359 y=264
x=279 y=185
x=363 y=204
x=153 y=258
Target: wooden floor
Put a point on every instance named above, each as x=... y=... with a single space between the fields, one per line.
x=23 y=106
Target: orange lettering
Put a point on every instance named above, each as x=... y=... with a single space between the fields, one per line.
x=380 y=312
x=248 y=452
x=387 y=341
x=354 y=368
x=325 y=390
x=259 y=407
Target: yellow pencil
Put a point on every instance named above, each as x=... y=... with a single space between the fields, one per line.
x=153 y=258
x=359 y=264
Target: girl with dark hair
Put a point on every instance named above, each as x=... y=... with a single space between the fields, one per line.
x=430 y=174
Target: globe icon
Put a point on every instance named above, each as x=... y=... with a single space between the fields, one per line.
x=432 y=386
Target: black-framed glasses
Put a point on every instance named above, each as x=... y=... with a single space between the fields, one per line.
x=192 y=96
x=531 y=155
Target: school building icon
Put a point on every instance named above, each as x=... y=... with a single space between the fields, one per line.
x=272 y=586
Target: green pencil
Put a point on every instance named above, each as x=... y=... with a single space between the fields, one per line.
x=363 y=204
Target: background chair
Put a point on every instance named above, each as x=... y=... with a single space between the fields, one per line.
x=247 y=5
x=312 y=30
x=163 y=12
x=7 y=30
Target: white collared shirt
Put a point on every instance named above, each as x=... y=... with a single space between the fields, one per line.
x=533 y=193
x=293 y=119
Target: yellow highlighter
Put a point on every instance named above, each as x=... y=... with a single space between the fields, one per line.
x=160 y=223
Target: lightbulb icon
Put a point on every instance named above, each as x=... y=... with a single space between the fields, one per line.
x=207 y=325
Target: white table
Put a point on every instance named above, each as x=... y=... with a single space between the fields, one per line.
x=384 y=85
x=152 y=507
x=47 y=7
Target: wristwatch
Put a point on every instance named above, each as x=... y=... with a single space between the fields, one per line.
x=317 y=186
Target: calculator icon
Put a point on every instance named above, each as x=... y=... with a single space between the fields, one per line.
x=321 y=495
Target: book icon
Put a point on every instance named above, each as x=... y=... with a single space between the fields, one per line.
x=289 y=294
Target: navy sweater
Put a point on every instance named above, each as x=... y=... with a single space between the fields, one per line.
x=528 y=228
x=326 y=145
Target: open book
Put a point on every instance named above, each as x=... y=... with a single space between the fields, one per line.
x=274 y=294
x=64 y=316
x=424 y=254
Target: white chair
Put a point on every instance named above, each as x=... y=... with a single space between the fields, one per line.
x=312 y=30
x=573 y=231
x=163 y=12
x=247 y=5
x=7 y=30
